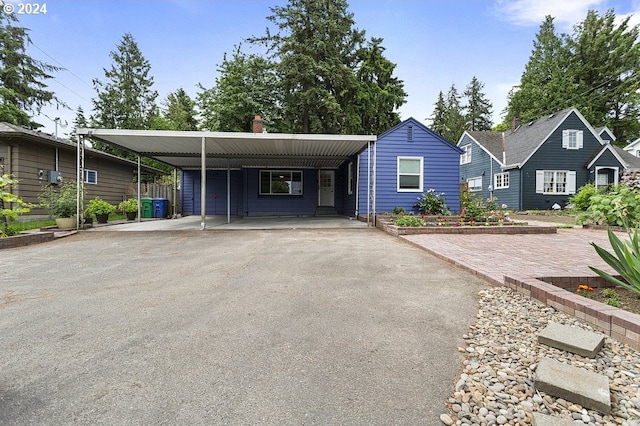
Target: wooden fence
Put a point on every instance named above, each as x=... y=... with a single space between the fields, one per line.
x=156 y=190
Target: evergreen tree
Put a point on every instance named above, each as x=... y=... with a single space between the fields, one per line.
x=23 y=91
x=605 y=60
x=546 y=84
x=378 y=93
x=79 y=121
x=454 y=117
x=126 y=100
x=180 y=111
x=247 y=85
x=439 y=116
x=479 y=108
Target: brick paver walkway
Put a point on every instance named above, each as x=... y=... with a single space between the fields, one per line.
x=567 y=253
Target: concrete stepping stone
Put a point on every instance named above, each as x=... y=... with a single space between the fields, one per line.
x=540 y=419
x=572 y=339
x=591 y=390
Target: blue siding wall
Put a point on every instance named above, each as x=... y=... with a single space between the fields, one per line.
x=216 y=192
x=347 y=201
x=510 y=196
x=260 y=205
x=441 y=170
x=551 y=156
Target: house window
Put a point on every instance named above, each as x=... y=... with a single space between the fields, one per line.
x=350 y=187
x=572 y=139
x=91 y=176
x=410 y=174
x=501 y=180
x=475 y=184
x=465 y=157
x=555 y=182
x=638 y=153
x=280 y=182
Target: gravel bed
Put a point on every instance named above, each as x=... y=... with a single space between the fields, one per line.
x=496 y=386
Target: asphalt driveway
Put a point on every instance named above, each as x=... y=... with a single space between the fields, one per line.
x=236 y=327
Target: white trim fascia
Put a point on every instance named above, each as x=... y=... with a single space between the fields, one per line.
x=613 y=151
x=632 y=145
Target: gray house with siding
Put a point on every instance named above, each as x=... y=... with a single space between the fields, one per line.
x=36 y=159
x=539 y=164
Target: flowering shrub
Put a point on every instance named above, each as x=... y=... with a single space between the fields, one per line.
x=432 y=202
x=408 y=220
x=480 y=210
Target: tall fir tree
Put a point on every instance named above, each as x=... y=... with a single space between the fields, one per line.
x=546 y=83
x=454 y=116
x=439 y=116
x=23 y=91
x=80 y=121
x=478 y=108
x=126 y=100
x=180 y=111
x=378 y=93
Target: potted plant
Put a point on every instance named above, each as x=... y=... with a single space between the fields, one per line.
x=100 y=209
x=61 y=203
x=129 y=207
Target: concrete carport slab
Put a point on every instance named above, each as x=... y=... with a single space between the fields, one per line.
x=190 y=223
x=312 y=326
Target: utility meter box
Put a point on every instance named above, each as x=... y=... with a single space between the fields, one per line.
x=55 y=177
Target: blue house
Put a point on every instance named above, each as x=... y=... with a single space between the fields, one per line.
x=407 y=160
x=539 y=164
x=270 y=174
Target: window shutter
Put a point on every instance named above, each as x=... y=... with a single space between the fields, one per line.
x=565 y=139
x=540 y=181
x=579 y=139
x=571 y=182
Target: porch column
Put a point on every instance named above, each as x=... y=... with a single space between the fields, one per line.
x=203 y=186
x=139 y=188
x=228 y=190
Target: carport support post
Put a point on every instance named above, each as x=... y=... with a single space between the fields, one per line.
x=139 y=188
x=375 y=161
x=203 y=186
x=228 y=190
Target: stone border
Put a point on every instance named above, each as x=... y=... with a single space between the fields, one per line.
x=25 y=239
x=619 y=324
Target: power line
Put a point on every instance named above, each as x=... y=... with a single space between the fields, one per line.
x=63 y=67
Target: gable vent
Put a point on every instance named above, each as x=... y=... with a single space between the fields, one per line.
x=410 y=133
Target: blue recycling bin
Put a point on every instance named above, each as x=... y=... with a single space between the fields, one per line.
x=160 y=207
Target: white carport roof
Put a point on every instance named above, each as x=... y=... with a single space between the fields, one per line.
x=183 y=149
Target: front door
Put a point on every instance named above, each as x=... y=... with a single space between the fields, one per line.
x=326 y=188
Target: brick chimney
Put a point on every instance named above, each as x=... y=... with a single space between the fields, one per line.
x=515 y=123
x=256 y=124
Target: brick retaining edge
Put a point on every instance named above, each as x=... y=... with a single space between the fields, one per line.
x=552 y=291
x=25 y=239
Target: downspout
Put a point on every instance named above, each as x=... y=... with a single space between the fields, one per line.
x=79 y=143
x=203 y=185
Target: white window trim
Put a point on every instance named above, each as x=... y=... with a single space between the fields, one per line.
x=495 y=180
x=477 y=189
x=271 y=173
x=86 y=176
x=615 y=174
x=409 y=174
x=465 y=157
x=565 y=138
x=570 y=187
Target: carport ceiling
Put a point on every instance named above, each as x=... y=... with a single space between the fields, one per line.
x=222 y=149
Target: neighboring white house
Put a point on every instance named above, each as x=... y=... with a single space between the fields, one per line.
x=633 y=148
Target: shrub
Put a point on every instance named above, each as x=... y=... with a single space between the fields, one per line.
x=398 y=210
x=408 y=221
x=432 y=203
x=97 y=206
x=582 y=199
x=619 y=206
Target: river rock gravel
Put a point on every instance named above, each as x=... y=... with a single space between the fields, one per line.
x=501 y=353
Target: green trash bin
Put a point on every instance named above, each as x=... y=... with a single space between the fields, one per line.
x=147 y=207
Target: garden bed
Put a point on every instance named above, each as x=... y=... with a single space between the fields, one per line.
x=436 y=226
x=25 y=239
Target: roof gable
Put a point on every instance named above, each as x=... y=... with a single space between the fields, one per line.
x=412 y=121
x=490 y=142
x=606 y=134
x=632 y=145
x=610 y=148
